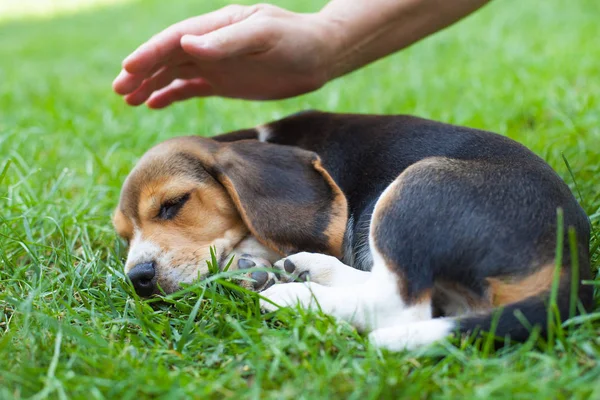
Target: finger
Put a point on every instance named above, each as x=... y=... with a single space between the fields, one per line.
x=246 y=37
x=162 y=46
x=159 y=80
x=179 y=90
x=126 y=83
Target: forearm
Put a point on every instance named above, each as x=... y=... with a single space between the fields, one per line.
x=363 y=31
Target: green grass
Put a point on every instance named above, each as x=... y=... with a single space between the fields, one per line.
x=69 y=325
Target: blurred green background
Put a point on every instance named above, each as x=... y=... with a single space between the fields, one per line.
x=528 y=70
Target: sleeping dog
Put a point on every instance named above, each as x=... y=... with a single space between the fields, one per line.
x=407 y=228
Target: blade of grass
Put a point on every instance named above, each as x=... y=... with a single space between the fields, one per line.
x=187 y=329
x=552 y=306
x=5 y=170
x=577 y=190
x=574 y=272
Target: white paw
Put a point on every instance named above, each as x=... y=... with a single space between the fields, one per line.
x=287 y=295
x=319 y=268
x=411 y=336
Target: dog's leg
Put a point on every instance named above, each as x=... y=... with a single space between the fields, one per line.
x=411 y=336
x=374 y=304
x=394 y=302
x=319 y=268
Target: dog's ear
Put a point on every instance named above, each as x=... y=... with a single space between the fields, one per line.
x=285 y=196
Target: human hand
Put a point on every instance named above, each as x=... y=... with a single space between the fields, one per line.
x=256 y=52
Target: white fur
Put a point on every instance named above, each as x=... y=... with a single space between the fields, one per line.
x=253 y=247
x=325 y=270
x=374 y=304
x=264 y=133
x=371 y=305
x=141 y=251
x=411 y=336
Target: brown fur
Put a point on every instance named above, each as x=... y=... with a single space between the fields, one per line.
x=511 y=290
x=191 y=229
x=216 y=214
x=339 y=215
x=122 y=225
x=209 y=218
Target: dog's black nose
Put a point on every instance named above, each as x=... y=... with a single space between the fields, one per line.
x=142 y=276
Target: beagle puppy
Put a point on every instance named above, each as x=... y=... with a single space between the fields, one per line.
x=408 y=229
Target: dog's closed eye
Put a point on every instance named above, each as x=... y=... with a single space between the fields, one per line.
x=170 y=208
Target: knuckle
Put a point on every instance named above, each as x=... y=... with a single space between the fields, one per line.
x=234 y=7
x=155 y=49
x=240 y=12
x=234 y=13
x=263 y=8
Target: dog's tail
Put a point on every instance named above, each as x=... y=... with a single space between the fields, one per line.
x=516 y=320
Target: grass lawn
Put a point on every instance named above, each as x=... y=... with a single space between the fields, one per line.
x=70 y=327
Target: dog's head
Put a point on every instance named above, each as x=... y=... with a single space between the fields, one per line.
x=189 y=194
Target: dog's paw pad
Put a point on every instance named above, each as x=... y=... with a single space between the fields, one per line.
x=245 y=263
x=290 y=272
x=289 y=266
x=259 y=280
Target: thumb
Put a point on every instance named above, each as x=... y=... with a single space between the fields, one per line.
x=244 y=37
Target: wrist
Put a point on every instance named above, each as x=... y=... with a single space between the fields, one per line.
x=335 y=33
x=327 y=39
x=360 y=32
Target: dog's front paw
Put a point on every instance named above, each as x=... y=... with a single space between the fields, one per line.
x=287 y=295
x=303 y=267
x=260 y=280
